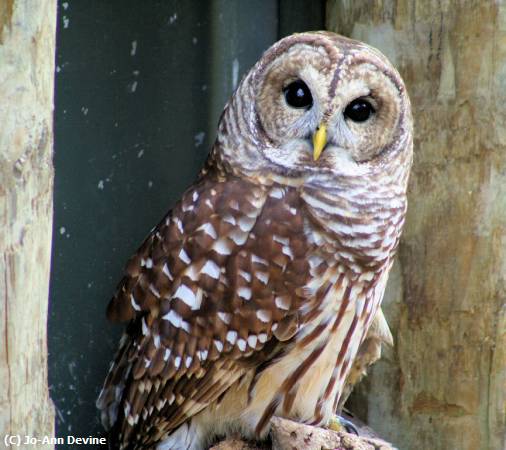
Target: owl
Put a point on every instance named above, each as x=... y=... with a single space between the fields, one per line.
x=252 y=297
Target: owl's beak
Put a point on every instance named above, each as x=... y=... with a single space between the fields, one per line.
x=319 y=141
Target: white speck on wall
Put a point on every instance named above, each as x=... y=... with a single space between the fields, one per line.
x=101 y=185
x=133 y=49
x=58 y=69
x=133 y=87
x=62 y=230
x=136 y=73
x=199 y=138
x=72 y=369
x=84 y=110
x=60 y=415
x=141 y=152
x=194 y=40
x=204 y=87
x=66 y=21
x=150 y=184
x=235 y=73
x=65 y=5
x=89 y=285
x=172 y=18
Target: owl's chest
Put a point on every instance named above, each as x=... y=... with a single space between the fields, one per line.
x=358 y=231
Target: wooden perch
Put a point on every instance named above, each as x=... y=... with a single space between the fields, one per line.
x=288 y=435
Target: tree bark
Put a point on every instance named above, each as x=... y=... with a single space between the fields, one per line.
x=444 y=384
x=27 y=49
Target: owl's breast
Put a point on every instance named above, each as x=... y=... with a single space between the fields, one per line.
x=361 y=230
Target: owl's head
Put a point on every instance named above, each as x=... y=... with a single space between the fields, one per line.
x=317 y=104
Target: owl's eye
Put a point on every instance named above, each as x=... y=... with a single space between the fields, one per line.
x=359 y=110
x=298 y=95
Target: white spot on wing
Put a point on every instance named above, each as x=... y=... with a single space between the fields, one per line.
x=218 y=345
x=244 y=292
x=229 y=219
x=192 y=273
x=280 y=240
x=179 y=224
x=211 y=268
x=252 y=340
x=231 y=336
x=264 y=315
x=245 y=275
x=222 y=247
x=263 y=277
x=238 y=237
x=145 y=329
x=208 y=229
x=287 y=251
x=183 y=256
x=135 y=305
x=176 y=320
x=241 y=343
x=185 y=294
x=256 y=259
x=246 y=223
x=154 y=290
x=282 y=303
x=166 y=271
x=225 y=317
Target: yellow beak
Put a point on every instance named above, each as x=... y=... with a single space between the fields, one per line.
x=319 y=141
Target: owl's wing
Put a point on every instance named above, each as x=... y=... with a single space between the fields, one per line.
x=214 y=289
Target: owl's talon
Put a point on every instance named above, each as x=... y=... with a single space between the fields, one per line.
x=339 y=423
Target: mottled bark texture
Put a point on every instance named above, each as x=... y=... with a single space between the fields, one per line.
x=27 y=48
x=288 y=435
x=443 y=386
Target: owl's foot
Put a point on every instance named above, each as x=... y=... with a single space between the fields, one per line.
x=339 y=423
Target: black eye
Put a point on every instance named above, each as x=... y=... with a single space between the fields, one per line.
x=359 y=110
x=298 y=95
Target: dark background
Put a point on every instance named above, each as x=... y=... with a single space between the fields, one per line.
x=139 y=88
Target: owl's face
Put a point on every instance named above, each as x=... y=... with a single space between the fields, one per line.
x=318 y=103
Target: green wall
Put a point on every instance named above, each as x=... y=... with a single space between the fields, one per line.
x=139 y=88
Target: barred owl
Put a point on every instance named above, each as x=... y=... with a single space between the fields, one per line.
x=252 y=296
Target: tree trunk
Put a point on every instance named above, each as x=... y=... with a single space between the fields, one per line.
x=443 y=386
x=27 y=49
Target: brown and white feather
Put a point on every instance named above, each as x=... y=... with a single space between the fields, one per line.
x=253 y=295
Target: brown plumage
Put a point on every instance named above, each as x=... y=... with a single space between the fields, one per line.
x=252 y=296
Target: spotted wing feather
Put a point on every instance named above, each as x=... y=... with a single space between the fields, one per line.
x=216 y=284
